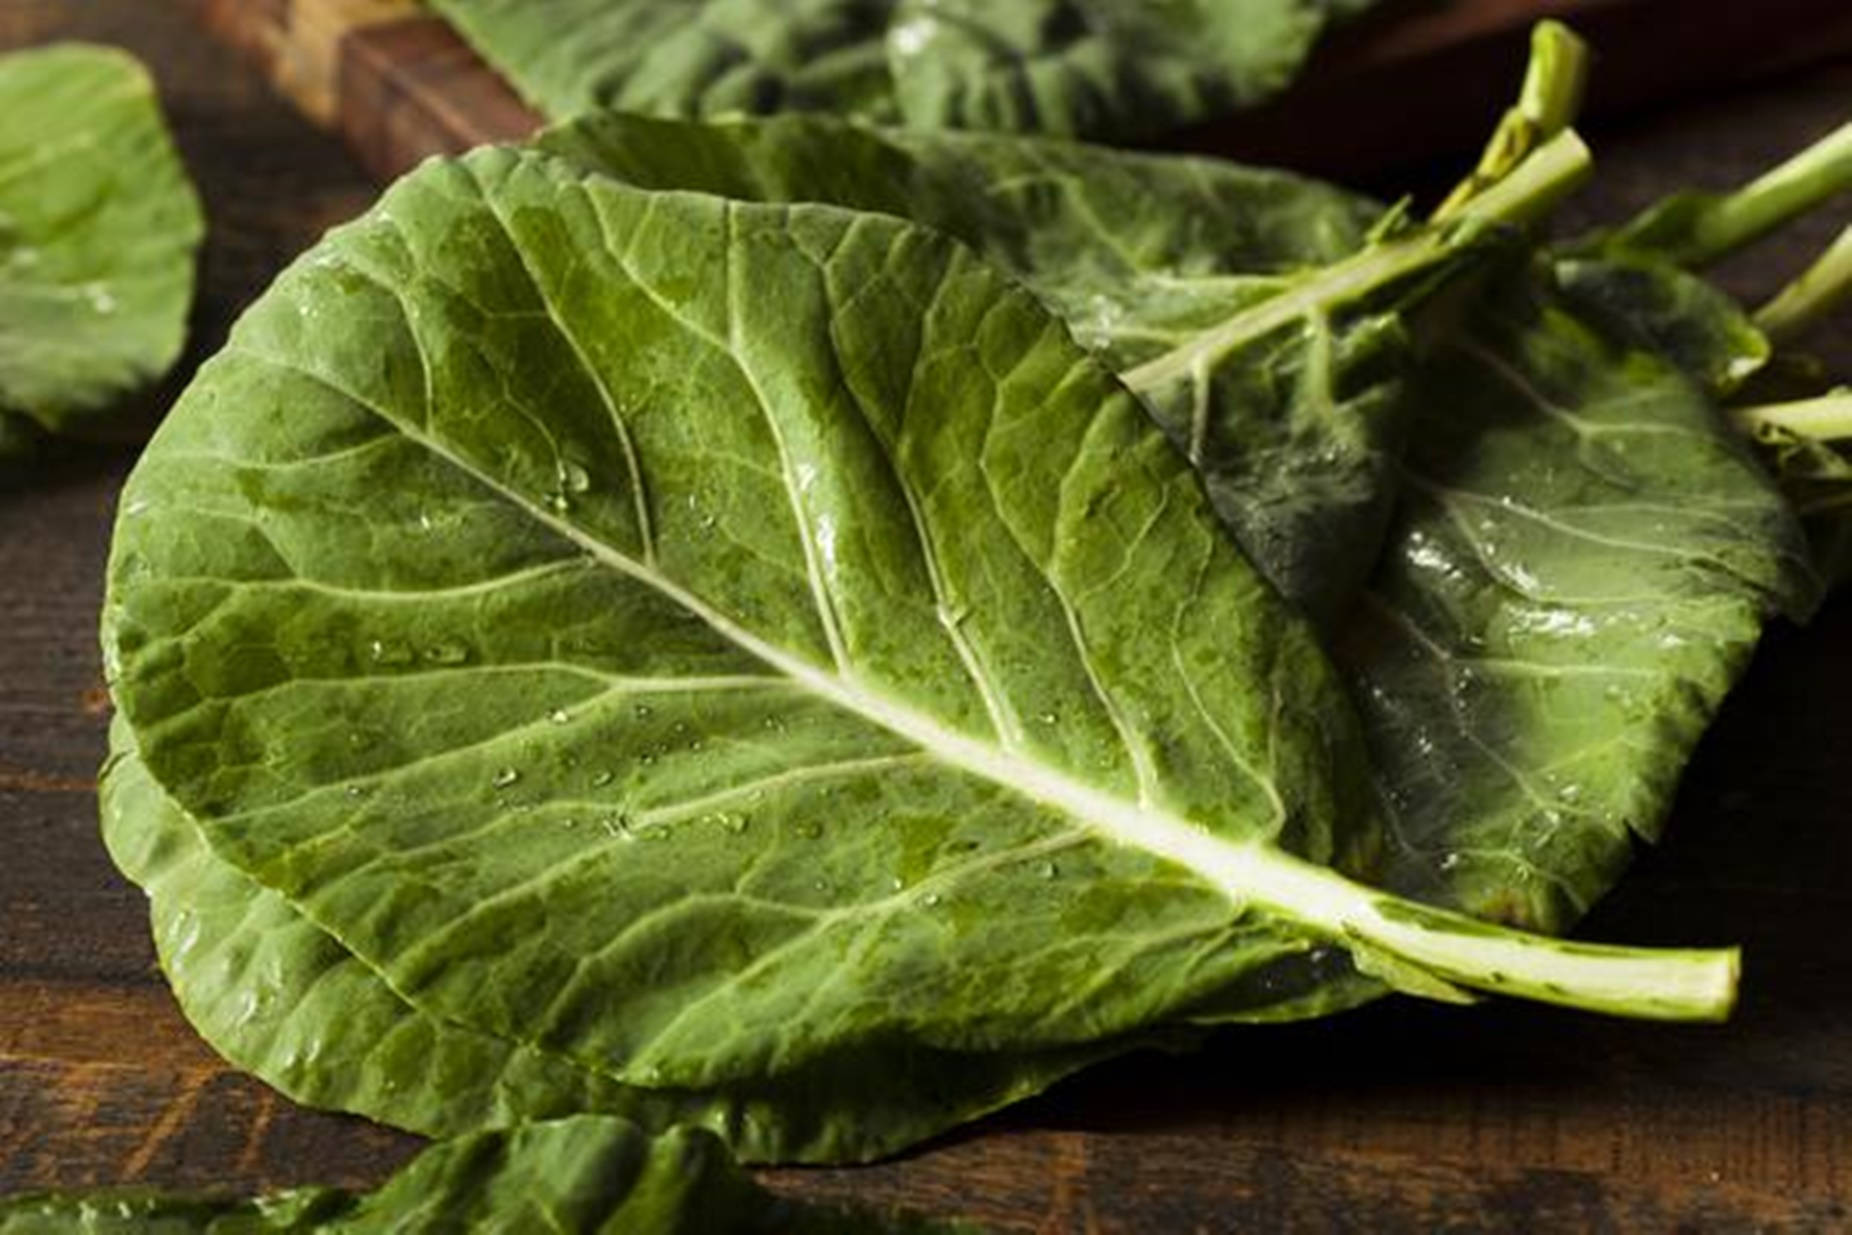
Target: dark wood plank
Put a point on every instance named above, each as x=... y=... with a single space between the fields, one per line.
x=1401 y=1117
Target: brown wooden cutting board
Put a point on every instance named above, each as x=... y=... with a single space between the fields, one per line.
x=1420 y=78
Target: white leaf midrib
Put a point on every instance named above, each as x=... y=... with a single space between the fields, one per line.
x=1245 y=872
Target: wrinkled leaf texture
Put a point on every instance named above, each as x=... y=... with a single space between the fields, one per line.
x=1073 y=67
x=98 y=230
x=282 y=999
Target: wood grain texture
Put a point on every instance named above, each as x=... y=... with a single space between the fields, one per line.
x=300 y=44
x=1401 y=1117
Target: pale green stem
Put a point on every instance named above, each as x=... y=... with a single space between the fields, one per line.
x=1827 y=418
x=1813 y=295
x=1696 y=230
x=1528 y=193
x=1538 y=185
x=1547 y=104
x=1419 y=948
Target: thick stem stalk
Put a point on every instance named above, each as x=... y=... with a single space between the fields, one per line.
x=1696 y=229
x=1810 y=297
x=1552 y=95
x=1436 y=946
x=1527 y=194
x=1825 y=419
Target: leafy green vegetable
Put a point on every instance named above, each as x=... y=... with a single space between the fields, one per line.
x=636 y=626
x=792 y=665
x=98 y=229
x=1078 y=67
x=580 y=1176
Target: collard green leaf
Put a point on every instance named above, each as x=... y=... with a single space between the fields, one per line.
x=1584 y=560
x=280 y=998
x=1654 y=306
x=98 y=229
x=590 y=1175
x=879 y=651
x=702 y=639
x=1072 y=67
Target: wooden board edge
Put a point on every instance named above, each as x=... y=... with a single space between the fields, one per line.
x=387 y=75
x=412 y=89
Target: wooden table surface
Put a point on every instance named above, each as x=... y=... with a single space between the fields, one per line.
x=1399 y=1117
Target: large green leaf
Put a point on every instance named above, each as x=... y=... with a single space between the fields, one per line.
x=590 y=1175
x=98 y=229
x=702 y=638
x=1079 y=67
x=281 y=999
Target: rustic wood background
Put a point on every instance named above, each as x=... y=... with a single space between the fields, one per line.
x=1402 y=1117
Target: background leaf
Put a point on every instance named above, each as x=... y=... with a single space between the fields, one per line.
x=98 y=230
x=1071 y=67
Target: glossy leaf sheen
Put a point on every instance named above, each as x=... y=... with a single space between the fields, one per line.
x=98 y=230
x=1583 y=562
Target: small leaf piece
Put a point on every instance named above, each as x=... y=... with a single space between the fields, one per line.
x=98 y=230
x=590 y=1175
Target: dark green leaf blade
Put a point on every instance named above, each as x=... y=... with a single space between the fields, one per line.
x=1585 y=560
x=727 y=740
x=484 y=609
x=1093 y=67
x=711 y=57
